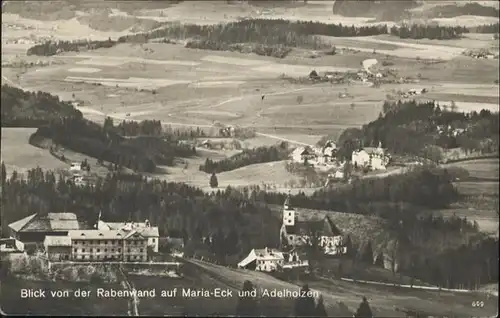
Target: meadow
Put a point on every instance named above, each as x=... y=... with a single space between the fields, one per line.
x=481 y=194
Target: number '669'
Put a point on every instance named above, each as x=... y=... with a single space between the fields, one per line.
x=478 y=303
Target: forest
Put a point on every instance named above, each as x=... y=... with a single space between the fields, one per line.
x=432 y=32
x=33 y=109
x=239 y=220
x=141 y=154
x=247 y=157
x=421 y=187
x=50 y=48
x=424 y=130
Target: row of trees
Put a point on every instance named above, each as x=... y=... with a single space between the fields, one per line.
x=52 y=48
x=487 y=28
x=33 y=109
x=247 y=157
x=143 y=128
x=433 y=32
x=264 y=31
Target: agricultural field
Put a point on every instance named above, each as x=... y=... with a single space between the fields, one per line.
x=187 y=87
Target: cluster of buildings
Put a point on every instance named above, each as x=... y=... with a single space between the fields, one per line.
x=298 y=232
x=374 y=158
x=65 y=238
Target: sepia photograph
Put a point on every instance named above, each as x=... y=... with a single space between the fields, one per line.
x=250 y=158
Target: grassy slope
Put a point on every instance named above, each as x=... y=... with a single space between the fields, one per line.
x=338 y=295
x=19 y=155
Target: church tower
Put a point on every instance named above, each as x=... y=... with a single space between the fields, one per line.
x=288 y=213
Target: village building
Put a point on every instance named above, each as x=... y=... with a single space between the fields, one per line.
x=11 y=245
x=143 y=228
x=34 y=228
x=272 y=260
x=301 y=229
x=58 y=248
x=108 y=245
x=373 y=158
x=302 y=154
x=329 y=152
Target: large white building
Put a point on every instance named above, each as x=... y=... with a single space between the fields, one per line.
x=300 y=229
x=272 y=260
x=373 y=158
x=143 y=228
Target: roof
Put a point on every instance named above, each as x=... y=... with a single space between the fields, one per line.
x=305 y=223
x=297 y=151
x=46 y=223
x=371 y=150
x=261 y=254
x=140 y=227
x=57 y=241
x=18 y=225
x=149 y=231
x=99 y=234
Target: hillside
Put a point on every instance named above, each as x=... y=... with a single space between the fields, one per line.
x=426 y=130
x=381 y=10
x=33 y=109
x=342 y=298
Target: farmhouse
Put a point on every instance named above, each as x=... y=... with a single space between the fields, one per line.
x=329 y=152
x=374 y=158
x=271 y=260
x=302 y=154
x=58 y=248
x=34 y=228
x=300 y=229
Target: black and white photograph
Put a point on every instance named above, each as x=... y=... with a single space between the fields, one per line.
x=250 y=158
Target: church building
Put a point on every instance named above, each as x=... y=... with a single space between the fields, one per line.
x=300 y=228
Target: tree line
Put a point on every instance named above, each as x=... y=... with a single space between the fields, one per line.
x=141 y=154
x=420 y=187
x=33 y=109
x=50 y=48
x=433 y=32
x=423 y=130
x=487 y=28
x=132 y=128
x=247 y=157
